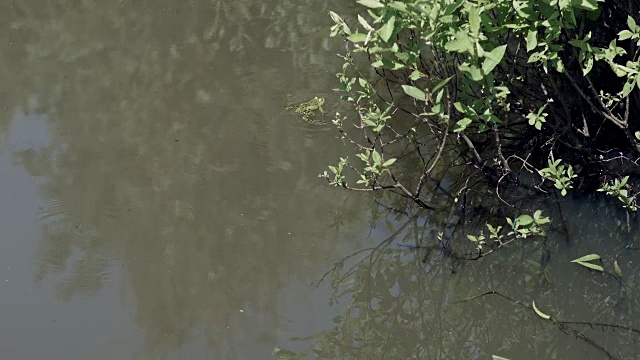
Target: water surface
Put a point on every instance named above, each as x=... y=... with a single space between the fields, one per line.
x=158 y=202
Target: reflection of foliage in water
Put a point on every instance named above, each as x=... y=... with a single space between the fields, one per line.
x=405 y=298
x=168 y=159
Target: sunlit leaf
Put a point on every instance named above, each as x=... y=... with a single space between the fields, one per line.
x=628 y=87
x=376 y=157
x=589 y=257
x=493 y=58
x=357 y=37
x=585 y=4
x=631 y=23
x=532 y=40
x=624 y=35
x=617 y=269
x=474 y=21
x=496 y=357
x=590 y=265
x=364 y=23
x=462 y=124
x=389 y=162
x=335 y=17
x=415 y=75
x=524 y=220
x=461 y=43
x=587 y=66
x=473 y=71
x=540 y=313
x=537 y=214
x=386 y=30
x=373 y=4
x=414 y=92
x=398 y=6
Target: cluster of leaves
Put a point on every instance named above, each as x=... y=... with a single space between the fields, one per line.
x=587 y=261
x=523 y=226
x=621 y=190
x=463 y=92
x=560 y=174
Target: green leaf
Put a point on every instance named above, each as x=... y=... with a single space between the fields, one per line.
x=461 y=43
x=628 y=87
x=590 y=266
x=474 y=21
x=524 y=220
x=563 y=4
x=624 y=35
x=386 y=30
x=587 y=66
x=631 y=23
x=493 y=58
x=414 y=92
x=442 y=83
x=462 y=124
x=585 y=4
x=389 y=162
x=559 y=65
x=373 y=4
x=357 y=37
x=364 y=23
x=589 y=257
x=377 y=159
x=532 y=40
x=370 y=122
x=537 y=214
x=617 y=269
x=398 y=6
x=496 y=357
x=624 y=180
x=335 y=17
x=543 y=220
x=415 y=75
x=473 y=71
x=540 y=313
x=536 y=56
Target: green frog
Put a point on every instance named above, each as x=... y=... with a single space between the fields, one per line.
x=307 y=109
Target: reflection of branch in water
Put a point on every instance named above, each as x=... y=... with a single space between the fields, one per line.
x=563 y=326
x=375 y=252
x=372 y=257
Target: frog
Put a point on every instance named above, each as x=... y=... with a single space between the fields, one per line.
x=308 y=108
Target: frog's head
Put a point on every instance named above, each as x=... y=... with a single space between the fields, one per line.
x=319 y=101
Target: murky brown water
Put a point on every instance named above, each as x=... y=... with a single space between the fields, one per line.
x=158 y=202
x=157 y=199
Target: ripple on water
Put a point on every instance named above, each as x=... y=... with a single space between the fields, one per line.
x=313 y=128
x=53 y=210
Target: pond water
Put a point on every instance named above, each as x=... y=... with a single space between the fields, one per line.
x=158 y=202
